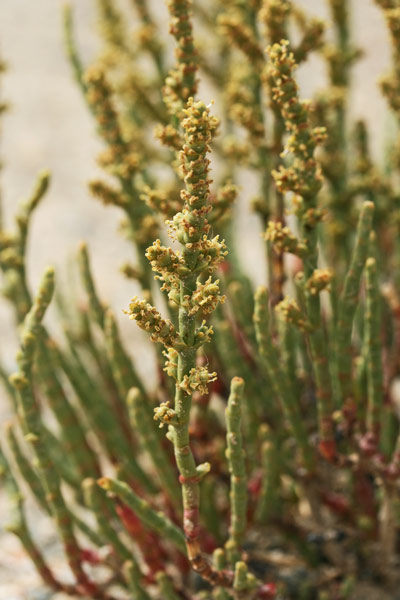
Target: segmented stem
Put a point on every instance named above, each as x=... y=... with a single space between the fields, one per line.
x=144 y=425
x=349 y=298
x=277 y=375
x=22 y=380
x=152 y=519
x=236 y=459
x=374 y=348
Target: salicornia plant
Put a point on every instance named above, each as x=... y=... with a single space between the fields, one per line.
x=263 y=461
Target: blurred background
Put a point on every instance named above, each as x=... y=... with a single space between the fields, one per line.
x=48 y=126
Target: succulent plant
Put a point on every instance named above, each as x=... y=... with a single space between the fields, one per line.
x=264 y=460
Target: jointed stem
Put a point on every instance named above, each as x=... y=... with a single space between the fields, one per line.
x=278 y=378
x=348 y=300
x=374 y=349
x=237 y=467
x=34 y=432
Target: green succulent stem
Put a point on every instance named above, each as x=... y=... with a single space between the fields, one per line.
x=30 y=476
x=374 y=348
x=72 y=430
x=349 y=299
x=20 y=529
x=71 y=47
x=303 y=177
x=268 y=502
x=123 y=370
x=166 y=587
x=150 y=518
x=133 y=578
x=142 y=422
x=277 y=376
x=32 y=425
x=236 y=459
x=95 y=500
x=180 y=482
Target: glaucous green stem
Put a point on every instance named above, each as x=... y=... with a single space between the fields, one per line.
x=166 y=587
x=374 y=348
x=145 y=427
x=236 y=460
x=133 y=576
x=96 y=501
x=32 y=425
x=152 y=519
x=349 y=298
x=280 y=385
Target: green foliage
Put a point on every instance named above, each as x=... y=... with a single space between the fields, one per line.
x=293 y=491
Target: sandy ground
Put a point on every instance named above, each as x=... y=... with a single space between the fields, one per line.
x=49 y=127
